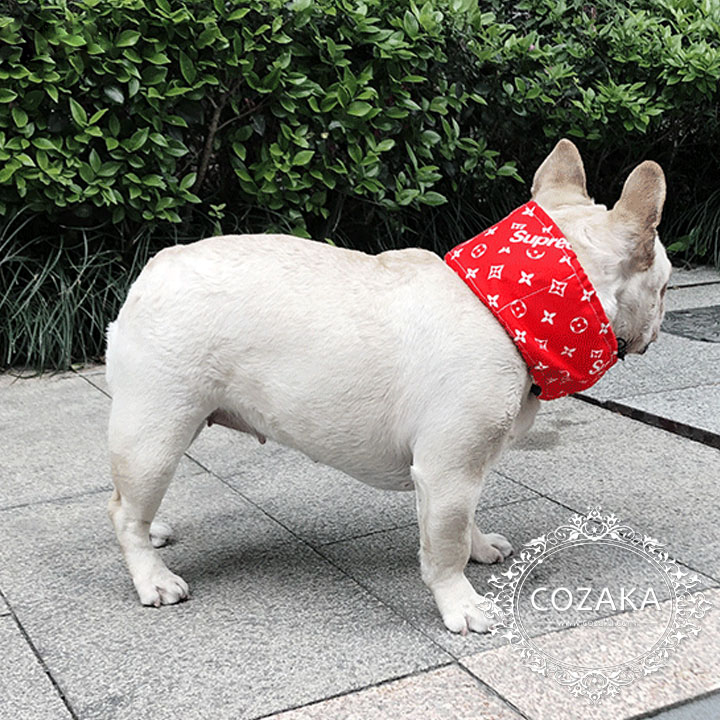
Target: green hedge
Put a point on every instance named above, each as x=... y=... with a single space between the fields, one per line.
x=128 y=124
x=137 y=109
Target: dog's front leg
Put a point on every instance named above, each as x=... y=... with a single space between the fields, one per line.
x=446 y=507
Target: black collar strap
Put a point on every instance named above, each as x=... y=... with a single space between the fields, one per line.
x=622 y=348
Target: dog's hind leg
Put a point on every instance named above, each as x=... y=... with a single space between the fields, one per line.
x=146 y=445
x=489 y=548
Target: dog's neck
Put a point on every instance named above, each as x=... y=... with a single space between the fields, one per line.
x=601 y=264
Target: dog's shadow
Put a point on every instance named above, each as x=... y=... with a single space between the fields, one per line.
x=235 y=555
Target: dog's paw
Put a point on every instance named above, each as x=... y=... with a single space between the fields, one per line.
x=462 y=608
x=161 y=588
x=160 y=533
x=489 y=548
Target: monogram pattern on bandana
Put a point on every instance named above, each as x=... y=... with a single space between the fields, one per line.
x=526 y=272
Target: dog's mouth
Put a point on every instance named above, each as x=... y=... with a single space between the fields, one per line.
x=632 y=347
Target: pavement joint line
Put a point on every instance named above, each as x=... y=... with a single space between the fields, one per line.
x=414 y=523
x=700 y=283
x=379 y=683
x=493 y=691
x=675 y=705
x=403 y=526
x=703 y=573
x=629 y=396
x=345 y=693
x=40 y=660
x=87 y=379
x=61 y=499
x=699 y=435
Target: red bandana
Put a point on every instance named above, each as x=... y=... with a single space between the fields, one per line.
x=527 y=274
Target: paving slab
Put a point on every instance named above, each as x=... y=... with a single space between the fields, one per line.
x=318 y=503
x=671 y=363
x=270 y=625
x=692 y=276
x=448 y=692
x=4 y=609
x=387 y=564
x=685 y=298
x=588 y=456
x=698 y=407
x=707 y=707
x=701 y=323
x=52 y=439
x=26 y=692
x=693 y=670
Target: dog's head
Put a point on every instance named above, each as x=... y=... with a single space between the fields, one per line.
x=619 y=248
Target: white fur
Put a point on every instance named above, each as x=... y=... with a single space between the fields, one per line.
x=386 y=367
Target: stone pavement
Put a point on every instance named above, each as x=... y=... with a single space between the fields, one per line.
x=306 y=596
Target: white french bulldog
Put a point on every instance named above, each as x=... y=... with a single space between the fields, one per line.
x=386 y=367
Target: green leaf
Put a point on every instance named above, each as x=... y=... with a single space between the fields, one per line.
x=114 y=93
x=86 y=172
x=20 y=117
x=78 y=112
x=507 y=170
x=74 y=40
x=187 y=68
x=430 y=137
x=188 y=181
x=7 y=171
x=96 y=116
x=137 y=140
x=159 y=140
x=42 y=143
x=206 y=37
x=153 y=180
x=410 y=24
x=239 y=150
x=303 y=157
x=238 y=14
x=95 y=161
x=127 y=38
x=158 y=58
x=6 y=95
x=433 y=198
x=359 y=109
x=42 y=159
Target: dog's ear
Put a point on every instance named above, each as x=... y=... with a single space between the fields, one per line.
x=560 y=180
x=638 y=211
